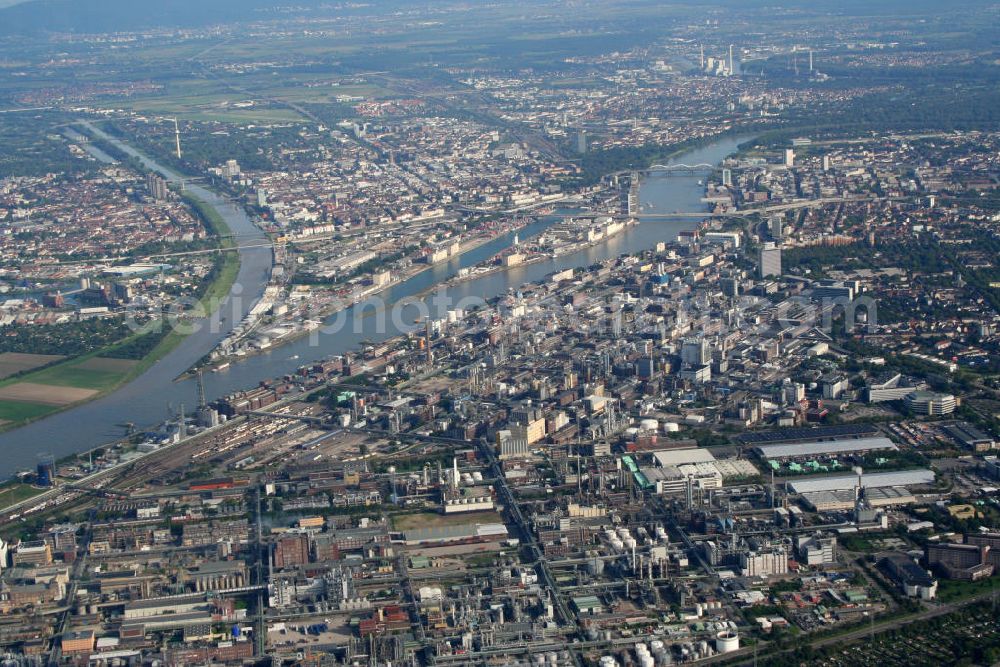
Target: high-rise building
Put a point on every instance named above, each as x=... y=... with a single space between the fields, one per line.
x=789 y=157
x=770 y=260
x=777 y=231
x=231 y=169
x=727 y=177
x=157 y=186
x=581 y=141
x=826 y=163
x=632 y=201
x=695 y=352
x=261 y=197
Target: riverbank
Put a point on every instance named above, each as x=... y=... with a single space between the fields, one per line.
x=490 y=266
x=145 y=401
x=34 y=395
x=300 y=327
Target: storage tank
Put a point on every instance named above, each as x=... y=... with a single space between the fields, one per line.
x=671 y=427
x=649 y=424
x=727 y=641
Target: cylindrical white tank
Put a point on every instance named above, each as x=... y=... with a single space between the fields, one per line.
x=648 y=424
x=727 y=641
x=671 y=427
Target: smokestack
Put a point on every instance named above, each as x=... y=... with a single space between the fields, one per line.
x=732 y=68
x=701 y=61
x=430 y=355
x=810 y=61
x=177 y=138
x=454 y=475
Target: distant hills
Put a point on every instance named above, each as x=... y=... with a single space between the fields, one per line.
x=35 y=17
x=91 y=16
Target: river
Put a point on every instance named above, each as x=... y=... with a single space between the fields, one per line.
x=144 y=401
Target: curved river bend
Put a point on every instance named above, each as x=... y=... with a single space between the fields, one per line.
x=144 y=401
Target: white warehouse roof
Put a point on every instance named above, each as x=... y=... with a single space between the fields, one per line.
x=822 y=447
x=677 y=457
x=873 y=480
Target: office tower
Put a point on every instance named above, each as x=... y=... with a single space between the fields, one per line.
x=770 y=260
x=777 y=231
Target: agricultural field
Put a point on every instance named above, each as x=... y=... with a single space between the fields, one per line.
x=35 y=395
x=12 y=363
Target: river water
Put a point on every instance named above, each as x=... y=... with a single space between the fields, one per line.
x=145 y=400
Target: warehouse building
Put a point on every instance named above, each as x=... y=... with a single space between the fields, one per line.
x=804 y=450
x=842 y=500
x=905 y=478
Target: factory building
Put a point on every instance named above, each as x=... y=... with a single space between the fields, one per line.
x=764 y=564
x=912 y=579
x=816 y=549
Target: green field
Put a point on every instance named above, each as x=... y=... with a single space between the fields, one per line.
x=15 y=492
x=70 y=375
x=15 y=413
